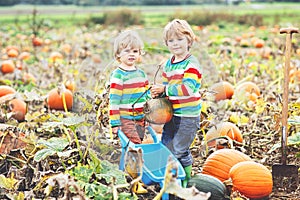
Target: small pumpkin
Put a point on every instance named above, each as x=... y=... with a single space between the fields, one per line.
x=55 y=56
x=55 y=99
x=219 y=163
x=12 y=53
x=28 y=78
x=247 y=89
x=225 y=129
x=207 y=183
x=7 y=66
x=24 y=55
x=5 y=90
x=251 y=179
x=158 y=111
x=223 y=90
x=71 y=85
x=36 y=41
x=19 y=108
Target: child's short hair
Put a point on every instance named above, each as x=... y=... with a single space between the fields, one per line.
x=179 y=27
x=127 y=39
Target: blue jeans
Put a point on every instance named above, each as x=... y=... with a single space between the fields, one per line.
x=178 y=134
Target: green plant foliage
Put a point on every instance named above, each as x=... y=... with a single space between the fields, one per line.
x=52 y=146
x=93 y=179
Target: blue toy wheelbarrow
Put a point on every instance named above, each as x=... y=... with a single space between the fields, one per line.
x=155 y=158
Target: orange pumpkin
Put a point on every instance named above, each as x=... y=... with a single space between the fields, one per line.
x=27 y=78
x=70 y=84
x=5 y=89
x=247 y=89
x=55 y=99
x=158 y=111
x=223 y=90
x=259 y=43
x=19 y=108
x=13 y=53
x=225 y=129
x=55 y=56
x=219 y=163
x=37 y=41
x=251 y=179
x=8 y=66
x=24 y=55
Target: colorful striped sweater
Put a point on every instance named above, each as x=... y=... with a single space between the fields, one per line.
x=126 y=87
x=183 y=81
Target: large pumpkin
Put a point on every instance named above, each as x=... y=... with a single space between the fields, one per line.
x=225 y=129
x=5 y=90
x=158 y=111
x=219 y=163
x=223 y=90
x=206 y=183
x=251 y=179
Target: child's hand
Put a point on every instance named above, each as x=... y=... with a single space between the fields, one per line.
x=115 y=130
x=156 y=90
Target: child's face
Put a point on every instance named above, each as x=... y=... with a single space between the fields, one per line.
x=178 y=45
x=129 y=56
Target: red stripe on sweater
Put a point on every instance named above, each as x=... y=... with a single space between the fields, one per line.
x=194 y=71
x=191 y=99
x=116 y=86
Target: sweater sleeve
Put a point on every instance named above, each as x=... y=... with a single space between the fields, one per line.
x=189 y=85
x=115 y=95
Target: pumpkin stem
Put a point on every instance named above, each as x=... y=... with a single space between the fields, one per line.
x=228 y=182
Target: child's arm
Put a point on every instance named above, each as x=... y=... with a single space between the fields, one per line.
x=191 y=83
x=115 y=96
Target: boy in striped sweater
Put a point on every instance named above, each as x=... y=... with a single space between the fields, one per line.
x=127 y=87
x=182 y=76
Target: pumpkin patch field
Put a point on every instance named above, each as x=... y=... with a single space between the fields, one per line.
x=55 y=139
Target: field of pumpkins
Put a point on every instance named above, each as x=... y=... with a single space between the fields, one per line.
x=55 y=140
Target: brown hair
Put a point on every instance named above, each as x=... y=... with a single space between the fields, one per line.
x=127 y=39
x=179 y=27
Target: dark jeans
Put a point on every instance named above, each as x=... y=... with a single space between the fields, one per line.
x=178 y=134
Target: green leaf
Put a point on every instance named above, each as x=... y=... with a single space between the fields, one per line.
x=294 y=139
x=82 y=172
x=66 y=154
x=112 y=170
x=42 y=154
x=55 y=143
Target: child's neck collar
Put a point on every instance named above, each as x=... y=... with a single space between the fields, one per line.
x=177 y=60
x=128 y=68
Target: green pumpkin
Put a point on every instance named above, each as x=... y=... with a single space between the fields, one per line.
x=207 y=183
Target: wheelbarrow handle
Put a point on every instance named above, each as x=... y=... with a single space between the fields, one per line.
x=153 y=134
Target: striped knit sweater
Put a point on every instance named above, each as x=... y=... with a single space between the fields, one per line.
x=126 y=87
x=183 y=81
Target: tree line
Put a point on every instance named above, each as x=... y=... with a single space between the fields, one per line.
x=128 y=2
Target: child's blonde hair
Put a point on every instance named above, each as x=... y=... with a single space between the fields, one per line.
x=179 y=27
x=127 y=39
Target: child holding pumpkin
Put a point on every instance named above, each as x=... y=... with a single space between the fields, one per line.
x=182 y=76
x=128 y=84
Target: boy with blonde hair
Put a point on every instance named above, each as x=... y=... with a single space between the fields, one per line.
x=128 y=85
x=182 y=76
